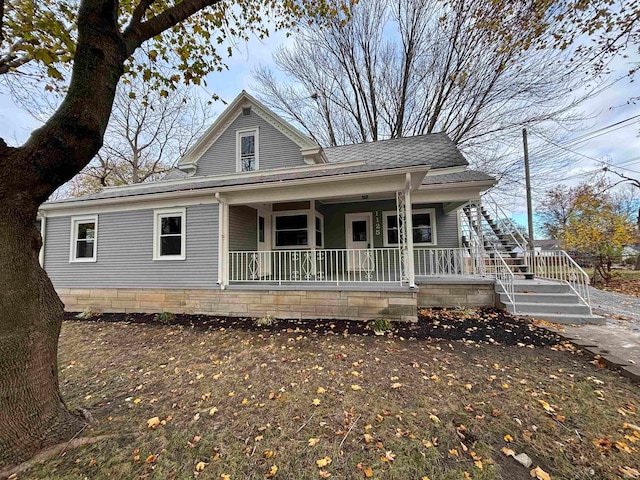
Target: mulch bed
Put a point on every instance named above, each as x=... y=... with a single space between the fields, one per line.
x=484 y=325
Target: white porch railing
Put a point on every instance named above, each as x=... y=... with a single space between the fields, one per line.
x=321 y=266
x=447 y=261
x=559 y=266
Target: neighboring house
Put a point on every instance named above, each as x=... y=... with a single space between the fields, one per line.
x=630 y=251
x=258 y=219
x=547 y=245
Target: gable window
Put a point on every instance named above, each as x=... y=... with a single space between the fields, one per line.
x=291 y=230
x=84 y=237
x=424 y=227
x=169 y=227
x=247 y=150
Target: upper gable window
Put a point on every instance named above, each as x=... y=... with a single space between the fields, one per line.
x=247 y=150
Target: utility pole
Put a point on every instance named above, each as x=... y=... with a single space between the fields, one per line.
x=527 y=172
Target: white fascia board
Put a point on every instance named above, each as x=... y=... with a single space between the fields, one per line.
x=207 y=195
x=443 y=171
x=236 y=175
x=480 y=184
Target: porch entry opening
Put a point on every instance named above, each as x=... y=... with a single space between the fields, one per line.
x=264 y=244
x=359 y=241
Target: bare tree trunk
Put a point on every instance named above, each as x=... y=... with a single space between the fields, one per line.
x=32 y=413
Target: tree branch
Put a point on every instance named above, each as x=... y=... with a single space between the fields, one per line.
x=136 y=34
x=1 y=20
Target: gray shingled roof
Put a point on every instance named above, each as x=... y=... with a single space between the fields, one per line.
x=436 y=149
x=433 y=150
x=458 y=177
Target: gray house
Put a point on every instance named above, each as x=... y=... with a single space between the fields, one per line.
x=259 y=219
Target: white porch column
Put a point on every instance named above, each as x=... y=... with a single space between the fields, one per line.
x=409 y=232
x=405 y=233
x=223 y=242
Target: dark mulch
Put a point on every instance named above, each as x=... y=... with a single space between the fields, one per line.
x=486 y=325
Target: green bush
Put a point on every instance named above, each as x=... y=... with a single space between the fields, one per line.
x=164 y=317
x=86 y=314
x=265 y=321
x=381 y=325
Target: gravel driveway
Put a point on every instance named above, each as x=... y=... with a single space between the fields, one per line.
x=609 y=303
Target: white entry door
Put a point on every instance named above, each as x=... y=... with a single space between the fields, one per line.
x=264 y=245
x=359 y=230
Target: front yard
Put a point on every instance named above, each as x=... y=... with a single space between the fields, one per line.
x=231 y=401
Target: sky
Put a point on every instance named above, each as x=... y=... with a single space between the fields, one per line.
x=617 y=146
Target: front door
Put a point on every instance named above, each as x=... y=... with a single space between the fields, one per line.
x=264 y=245
x=359 y=240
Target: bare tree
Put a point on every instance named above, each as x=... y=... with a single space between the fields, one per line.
x=412 y=67
x=147 y=133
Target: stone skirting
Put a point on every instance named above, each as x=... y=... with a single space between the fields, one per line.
x=398 y=305
x=470 y=294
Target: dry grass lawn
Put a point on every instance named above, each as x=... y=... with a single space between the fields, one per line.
x=240 y=403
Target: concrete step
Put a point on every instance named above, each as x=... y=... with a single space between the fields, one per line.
x=534 y=287
x=552 y=298
x=567 y=319
x=532 y=308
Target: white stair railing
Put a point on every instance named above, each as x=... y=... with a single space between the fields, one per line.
x=443 y=262
x=504 y=277
x=557 y=265
x=504 y=223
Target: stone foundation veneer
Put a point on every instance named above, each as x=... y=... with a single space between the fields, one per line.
x=452 y=294
x=397 y=305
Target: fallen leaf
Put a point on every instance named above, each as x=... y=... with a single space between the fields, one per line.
x=546 y=406
x=225 y=476
x=368 y=438
x=200 y=466
x=631 y=472
x=508 y=438
x=396 y=385
x=539 y=474
x=313 y=442
x=153 y=422
x=316 y=402
x=272 y=472
x=323 y=462
x=320 y=391
x=324 y=474
x=356 y=387
x=151 y=458
x=268 y=454
x=213 y=411
x=434 y=418
x=508 y=452
x=368 y=472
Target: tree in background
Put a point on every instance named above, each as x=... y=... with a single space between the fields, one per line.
x=413 y=67
x=147 y=134
x=96 y=40
x=589 y=222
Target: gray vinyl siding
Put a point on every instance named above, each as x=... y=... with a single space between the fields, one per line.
x=334 y=222
x=275 y=150
x=243 y=228
x=125 y=252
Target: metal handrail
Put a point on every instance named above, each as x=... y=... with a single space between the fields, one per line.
x=505 y=278
x=499 y=213
x=558 y=265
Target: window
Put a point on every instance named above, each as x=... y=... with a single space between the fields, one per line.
x=291 y=230
x=247 y=150
x=424 y=227
x=260 y=229
x=319 y=230
x=169 y=234
x=84 y=237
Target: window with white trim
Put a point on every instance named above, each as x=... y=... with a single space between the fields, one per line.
x=424 y=227
x=170 y=238
x=247 y=150
x=84 y=238
x=291 y=230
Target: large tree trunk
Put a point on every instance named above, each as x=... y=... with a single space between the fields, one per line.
x=32 y=413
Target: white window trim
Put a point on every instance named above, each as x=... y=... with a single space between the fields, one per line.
x=321 y=217
x=75 y=222
x=169 y=212
x=239 y=135
x=434 y=236
x=291 y=213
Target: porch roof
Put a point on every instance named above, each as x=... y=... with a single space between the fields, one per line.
x=387 y=156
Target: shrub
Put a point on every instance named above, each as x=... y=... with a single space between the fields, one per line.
x=265 y=321
x=164 y=317
x=381 y=325
x=86 y=314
